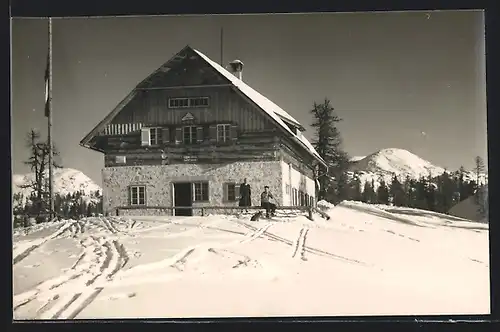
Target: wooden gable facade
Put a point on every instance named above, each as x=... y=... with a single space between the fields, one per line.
x=187 y=113
x=183 y=108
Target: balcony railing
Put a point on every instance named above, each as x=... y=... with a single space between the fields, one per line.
x=121 y=129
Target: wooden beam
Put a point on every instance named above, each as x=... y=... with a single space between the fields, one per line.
x=186 y=87
x=307 y=209
x=212 y=207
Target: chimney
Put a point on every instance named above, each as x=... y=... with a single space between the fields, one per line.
x=236 y=67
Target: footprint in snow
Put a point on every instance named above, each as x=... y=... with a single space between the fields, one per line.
x=32 y=266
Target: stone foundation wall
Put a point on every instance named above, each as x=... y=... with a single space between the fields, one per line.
x=158 y=180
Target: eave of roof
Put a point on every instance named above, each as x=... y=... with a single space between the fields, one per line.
x=273 y=110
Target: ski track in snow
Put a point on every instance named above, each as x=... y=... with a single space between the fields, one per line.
x=308 y=249
x=67 y=295
x=19 y=255
x=257 y=233
x=70 y=293
x=102 y=259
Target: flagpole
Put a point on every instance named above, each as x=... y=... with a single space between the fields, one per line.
x=49 y=117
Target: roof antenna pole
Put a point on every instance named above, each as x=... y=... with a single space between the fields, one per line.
x=222 y=47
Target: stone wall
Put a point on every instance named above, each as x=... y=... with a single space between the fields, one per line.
x=158 y=180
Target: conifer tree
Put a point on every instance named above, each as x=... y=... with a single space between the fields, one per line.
x=382 y=192
x=430 y=196
x=356 y=192
x=421 y=193
x=397 y=192
x=479 y=169
x=462 y=186
x=368 y=192
x=328 y=144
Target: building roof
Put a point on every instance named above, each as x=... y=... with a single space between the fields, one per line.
x=273 y=110
x=279 y=115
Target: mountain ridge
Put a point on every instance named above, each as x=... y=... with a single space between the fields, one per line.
x=66 y=181
x=385 y=163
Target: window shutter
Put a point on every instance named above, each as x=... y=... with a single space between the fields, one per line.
x=129 y=195
x=145 y=136
x=178 y=135
x=234 y=132
x=225 y=191
x=236 y=191
x=165 y=135
x=213 y=133
x=199 y=134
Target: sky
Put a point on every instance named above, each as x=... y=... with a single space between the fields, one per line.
x=409 y=80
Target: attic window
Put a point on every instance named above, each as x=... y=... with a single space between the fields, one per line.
x=189 y=102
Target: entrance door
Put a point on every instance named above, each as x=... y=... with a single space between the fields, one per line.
x=183 y=196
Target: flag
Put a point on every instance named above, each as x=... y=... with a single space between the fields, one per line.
x=47 y=82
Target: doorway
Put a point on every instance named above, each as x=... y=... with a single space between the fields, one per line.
x=183 y=196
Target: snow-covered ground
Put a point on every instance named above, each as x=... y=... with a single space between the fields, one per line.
x=365 y=260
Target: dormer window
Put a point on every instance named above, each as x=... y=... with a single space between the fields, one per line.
x=188 y=102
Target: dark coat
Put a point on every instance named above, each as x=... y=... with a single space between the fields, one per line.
x=245 y=195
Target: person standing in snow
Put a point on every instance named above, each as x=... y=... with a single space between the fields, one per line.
x=245 y=194
x=266 y=204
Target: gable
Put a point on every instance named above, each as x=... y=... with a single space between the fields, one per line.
x=186 y=68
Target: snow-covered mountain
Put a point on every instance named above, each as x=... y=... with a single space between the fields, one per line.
x=357 y=158
x=66 y=181
x=387 y=162
x=396 y=161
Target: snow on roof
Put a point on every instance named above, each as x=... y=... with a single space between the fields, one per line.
x=274 y=111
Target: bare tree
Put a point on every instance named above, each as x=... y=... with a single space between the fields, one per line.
x=39 y=165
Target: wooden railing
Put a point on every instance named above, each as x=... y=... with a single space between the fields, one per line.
x=121 y=129
x=203 y=209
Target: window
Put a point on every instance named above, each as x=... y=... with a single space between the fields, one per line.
x=287 y=189
x=151 y=136
x=198 y=102
x=178 y=102
x=223 y=132
x=231 y=192
x=189 y=134
x=201 y=192
x=121 y=159
x=294 y=198
x=154 y=136
x=188 y=102
x=138 y=195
